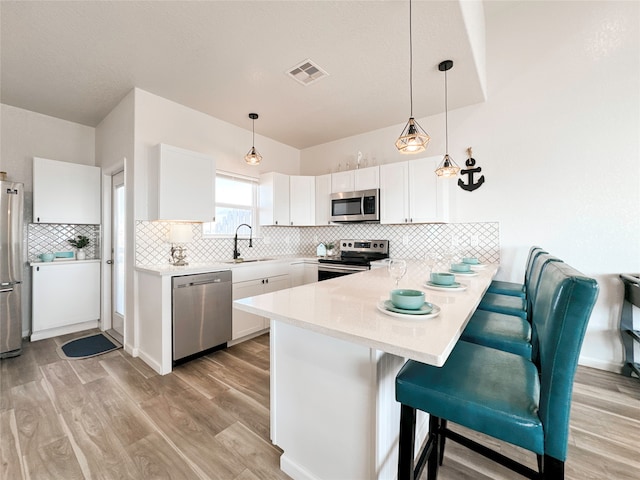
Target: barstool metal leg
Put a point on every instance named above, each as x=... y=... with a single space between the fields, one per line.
x=435 y=435
x=406 y=443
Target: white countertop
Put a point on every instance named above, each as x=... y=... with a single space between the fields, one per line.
x=345 y=308
x=215 y=266
x=40 y=263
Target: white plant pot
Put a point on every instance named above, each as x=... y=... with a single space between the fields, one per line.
x=81 y=255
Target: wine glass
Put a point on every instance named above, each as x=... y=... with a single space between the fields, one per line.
x=431 y=259
x=397 y=269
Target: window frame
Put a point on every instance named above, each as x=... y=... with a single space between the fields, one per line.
x=255 y=183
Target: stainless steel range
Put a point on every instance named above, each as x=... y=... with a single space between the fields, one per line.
x=355 y=256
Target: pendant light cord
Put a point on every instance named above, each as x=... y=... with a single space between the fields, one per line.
x=410 y=62
x=446 y=116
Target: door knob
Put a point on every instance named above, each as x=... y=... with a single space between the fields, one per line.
x=109 y=262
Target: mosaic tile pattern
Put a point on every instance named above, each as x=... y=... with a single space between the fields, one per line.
x=480 y=240
x=52 y=237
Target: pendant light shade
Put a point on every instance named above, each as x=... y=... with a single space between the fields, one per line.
x=253 y=157
x=413 y=138
x=447 y=167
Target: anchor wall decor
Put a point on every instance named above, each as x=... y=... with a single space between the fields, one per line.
x=471 y=186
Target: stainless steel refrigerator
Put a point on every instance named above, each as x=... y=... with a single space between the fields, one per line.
x=11 y=265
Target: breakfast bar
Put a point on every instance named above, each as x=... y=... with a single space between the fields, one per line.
x=335 y=353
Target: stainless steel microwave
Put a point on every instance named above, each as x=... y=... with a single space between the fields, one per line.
x=360 y=206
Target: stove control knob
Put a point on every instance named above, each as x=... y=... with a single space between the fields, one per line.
x=375 y=245
x=344 y=244
x=349 y=243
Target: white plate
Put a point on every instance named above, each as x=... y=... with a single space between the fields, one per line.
x=478 y=266
x=434 y=313
x=425 y=309
x=467 y=274
x=461 y=287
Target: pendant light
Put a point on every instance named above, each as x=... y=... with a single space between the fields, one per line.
x=413 y=138
x=447 y=167
x=253 y=157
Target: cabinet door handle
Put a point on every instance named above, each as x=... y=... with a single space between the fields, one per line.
x=267 y=280
x=291 y=223
x=276 y=222
x=263 y=281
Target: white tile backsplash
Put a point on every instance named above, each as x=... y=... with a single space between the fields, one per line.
x=479 y=239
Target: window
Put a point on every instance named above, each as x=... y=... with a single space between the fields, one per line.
x=236 y=203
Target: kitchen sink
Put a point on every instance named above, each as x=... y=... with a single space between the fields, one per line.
x=248 y=260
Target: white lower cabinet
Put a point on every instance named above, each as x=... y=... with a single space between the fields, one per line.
x=246 y=323
x=303 y=272
x=65 y=297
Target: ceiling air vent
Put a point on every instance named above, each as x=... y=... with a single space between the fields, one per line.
x=306 y=72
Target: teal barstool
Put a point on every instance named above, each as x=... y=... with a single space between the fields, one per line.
x=501 y=394
x=516 y=306
x=505 y=332
x=516 y=289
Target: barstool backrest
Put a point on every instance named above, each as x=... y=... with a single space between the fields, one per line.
x=538 y=264
x=533 y=254
x=563 y=305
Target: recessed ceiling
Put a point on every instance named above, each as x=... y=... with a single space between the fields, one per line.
x=77 y=60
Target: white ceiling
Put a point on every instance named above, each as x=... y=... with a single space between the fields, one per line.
x=77 y=60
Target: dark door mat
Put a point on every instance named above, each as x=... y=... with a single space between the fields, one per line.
x=88 y=346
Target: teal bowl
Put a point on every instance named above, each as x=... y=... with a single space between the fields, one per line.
x=47 y=257
x=460 y=267
x=471 y=260
x=443 y=278
x=407 y=299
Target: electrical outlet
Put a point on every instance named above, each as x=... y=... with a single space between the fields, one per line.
x=475 y=240
x=266 y=240
x=405 y=240
x=315 y=239
x=287 y=240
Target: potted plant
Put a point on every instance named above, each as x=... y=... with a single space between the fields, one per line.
x=79 y=243
x=330 y=249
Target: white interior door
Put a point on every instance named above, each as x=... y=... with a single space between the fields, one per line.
x=118 y=245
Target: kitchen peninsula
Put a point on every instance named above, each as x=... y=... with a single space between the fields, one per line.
x=334 y=358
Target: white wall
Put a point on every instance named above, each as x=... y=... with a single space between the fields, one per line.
x=114 y=151
x=24 y=135
x=158 y=120
x=558 y=142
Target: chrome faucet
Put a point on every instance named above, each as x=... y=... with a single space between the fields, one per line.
x=236 y=253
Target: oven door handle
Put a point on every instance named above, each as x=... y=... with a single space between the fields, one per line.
x=338 y=268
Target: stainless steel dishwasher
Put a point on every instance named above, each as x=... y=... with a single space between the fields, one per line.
x=201 y=310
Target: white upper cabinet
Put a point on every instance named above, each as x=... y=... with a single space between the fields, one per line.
x=302 y=200
x=274 y=199
x=367 y=178
x=343 y=181
x=410 y=192
x=65 y=192
x=323 y=199
x=181 y=185
x=353 y=180
x=394 y=192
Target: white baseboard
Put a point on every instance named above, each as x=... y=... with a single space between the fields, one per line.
x=57 y=331
x=150 y=361
x=600 y=364
x=294 y=470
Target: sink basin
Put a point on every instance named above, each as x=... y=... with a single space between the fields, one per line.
x=248 y=260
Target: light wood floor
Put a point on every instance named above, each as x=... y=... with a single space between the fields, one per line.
x=112 y=417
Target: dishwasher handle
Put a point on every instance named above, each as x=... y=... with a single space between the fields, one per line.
x=196 y=280
x=203 y=282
